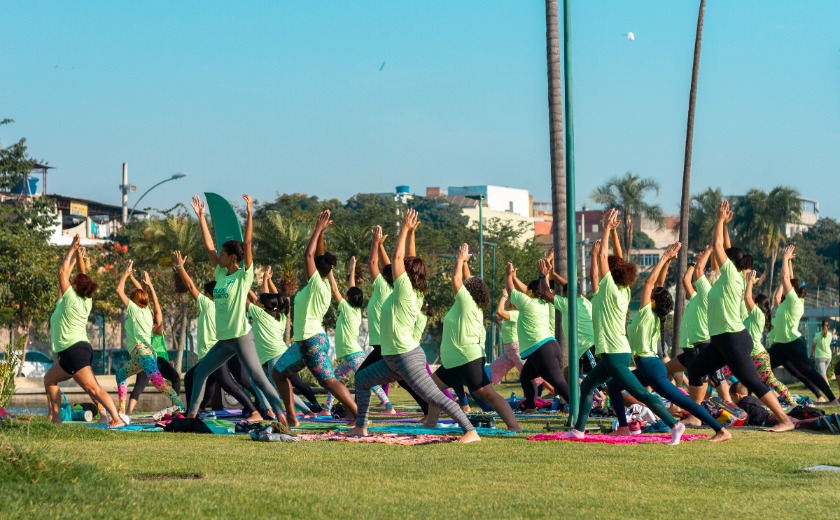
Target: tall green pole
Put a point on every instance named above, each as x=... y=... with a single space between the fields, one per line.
x=480 y=237
x=571 y=225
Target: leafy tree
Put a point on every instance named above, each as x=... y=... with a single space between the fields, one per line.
x=15 y=162
x=641 y=240
x=703 y=215
x=627 y=194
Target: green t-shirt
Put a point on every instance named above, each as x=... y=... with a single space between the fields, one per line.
x=586 y=334
x=698 y=320
x=534 y=324
x=381 y=291
x=138 y=325
x=463 y=331
x=685 y=344
x=643 y=332
x=754 y=324
x=205 y=327
x=771 y=336
x=509 y=334
x=419 y=327
x=311 y=304
x=399 y=314
x=159 y=344
x=823 y=350
x=788 y=314
x=347 y=329
x=230 y=296
x=68 y=322
x=609 y=314
x=725 y=301
x=268 y=333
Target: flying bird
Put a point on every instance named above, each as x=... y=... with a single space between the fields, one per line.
x=382 y=66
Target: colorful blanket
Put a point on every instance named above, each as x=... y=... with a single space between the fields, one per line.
x=379 y=438
x=419 y=430
x=613 y=439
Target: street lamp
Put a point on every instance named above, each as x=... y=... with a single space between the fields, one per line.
x=480 y=199
x=175 y=176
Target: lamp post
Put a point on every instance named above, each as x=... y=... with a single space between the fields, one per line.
x=491 y=348
x=175 y=176
x=480 y=199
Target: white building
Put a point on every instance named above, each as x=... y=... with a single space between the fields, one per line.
x=498 y=198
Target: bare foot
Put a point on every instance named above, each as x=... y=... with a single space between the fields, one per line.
x=292 y=421
x=428 y=424
x=529 y=410
x=309 y=415
x=465 y=408
x=676 y=434
x=822 y=399
x=621 y=430
x=835 y=402
x=390 y=411
x=573 y=434
x=782 y=427
x=470 y=436
x=356 y=432
x=691 y=421
x=116 y=424
x=721 y=435
x=103 y=419
x=56 y=420
x=325 y=412
x=254 y=418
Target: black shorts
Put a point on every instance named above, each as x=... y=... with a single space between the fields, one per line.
x=687 y=357
x=586 y=362
x=76 y=357
x=471 y=374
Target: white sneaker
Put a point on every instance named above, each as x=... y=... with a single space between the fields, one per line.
x=125 y=418
x=172 y=410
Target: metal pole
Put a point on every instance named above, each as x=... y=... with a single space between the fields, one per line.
x=490 y=349
x=173 y=178
x=571 y=228
x=124 y=188
x=480 y=237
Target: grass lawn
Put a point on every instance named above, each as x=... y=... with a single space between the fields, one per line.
x=74 y=472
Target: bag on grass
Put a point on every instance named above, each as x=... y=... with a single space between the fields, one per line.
x=805 y=411
x=66 y=411
x=187 y=425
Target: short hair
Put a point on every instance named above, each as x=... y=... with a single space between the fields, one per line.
x=234 y=248
x=624 y=273
x=825 y=323
x=415 y=268
x=355 y=297
x=325 y=263
x=140 y=297
x=209 y=286
x=84 y=285
x=478 y=290
x=740 y=258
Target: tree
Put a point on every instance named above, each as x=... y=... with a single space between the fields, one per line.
x=641 y=240
x=685 y=201
x=627 y=194
x=817 y=254
x=15 y=163
x=702 y=218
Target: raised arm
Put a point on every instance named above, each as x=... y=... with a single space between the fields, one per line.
x=412 y=244
x=458 y=275
x=513 y=283
x=748 y=293
x=321 y=225
x=653 y=280
x=121 y=284
x=609 y=222
x=723 y=216
x=198 y=207
x=501 y=312
x=663 y=274
x=178 y=265
x=248 y=241
x=373 y=258
x=549 y=259
x=383 y=254
x=616 y=243
x=777 y=296
x=688 y=282
x=787 y=258
x=545 y=289
x=594 y=267
x=253 y=299
x=134 y=281
x=700 y=263
x=266 y=280
x=66 y=267
x=727 y=242
x=409 y=221
x=351 y=282
x=82 y=259
x=334 y=287
x=156 y=310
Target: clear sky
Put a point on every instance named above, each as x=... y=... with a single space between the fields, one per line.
x=266 y=97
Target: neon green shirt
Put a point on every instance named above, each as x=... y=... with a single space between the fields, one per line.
x=381 y=291
x=609 y=314
x=823 y=350
x=68 y=322
x=463 y=331
x=534 y=324
x=311 y=304
x=268 y=333
x=725 y=301
x=754 y=324
x=419 y=327
x=205 y=327
x=347 y=329
x=509 y=334
x=230 y=295
x=685 y=344
x=788 y=314
x=138 y=325
x=586 y=334
x=399 y=314
x=771 y=336
x=643 y=332
x=698 y=320
x=159 y=344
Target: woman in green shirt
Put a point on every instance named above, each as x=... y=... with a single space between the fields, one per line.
x=730 y=342
x=789 y=348
x=613 y=278
x=402 y=357
x=139 y=322
x=233 y=332
x=68 y=338
x=508 y=314
x=821 y=349
x=462 y=344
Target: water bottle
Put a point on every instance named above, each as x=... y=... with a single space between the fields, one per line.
x=85 y=416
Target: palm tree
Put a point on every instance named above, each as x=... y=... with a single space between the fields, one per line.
x=685 y=201
x=702 y=217
x=628 y=193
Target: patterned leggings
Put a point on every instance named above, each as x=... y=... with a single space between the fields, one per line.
x=763 y=365
x=144 y=359
x=349 y=365
x=311 y=353
x=503 y=364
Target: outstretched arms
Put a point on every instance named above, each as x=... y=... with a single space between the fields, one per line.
x=178 y=265
x=198 y=207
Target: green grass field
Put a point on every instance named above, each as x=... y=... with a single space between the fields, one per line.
x=70 y=471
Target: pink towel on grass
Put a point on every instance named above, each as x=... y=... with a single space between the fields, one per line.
x=379 y=438
x=613 y=439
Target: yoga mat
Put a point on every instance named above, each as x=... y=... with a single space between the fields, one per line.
x=317 y=427
x=418 y=430
x=226 y=224
x=129 y=428
x=379 y=438
x=614 y=439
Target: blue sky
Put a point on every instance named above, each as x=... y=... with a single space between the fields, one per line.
x=267 y=97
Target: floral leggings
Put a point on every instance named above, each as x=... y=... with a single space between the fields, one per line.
x=144 y=359
x=503 y=364
x=311 y=353
x=763 y=365
x=349 y=364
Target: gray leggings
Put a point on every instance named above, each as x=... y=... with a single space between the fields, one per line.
x=267 y=368
x=822 y=365
x=245 y=348
x=411 y=368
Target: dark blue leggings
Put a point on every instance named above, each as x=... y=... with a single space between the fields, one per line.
x=650 y=371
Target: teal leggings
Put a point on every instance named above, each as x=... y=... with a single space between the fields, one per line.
x=617 y=366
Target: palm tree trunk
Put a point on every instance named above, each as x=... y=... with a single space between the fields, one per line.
x=685 y=200
x=773 y=256
x=557 y=143
x=180 y=340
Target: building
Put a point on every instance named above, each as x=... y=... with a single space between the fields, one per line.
x=499 y=198
x=810 y=215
